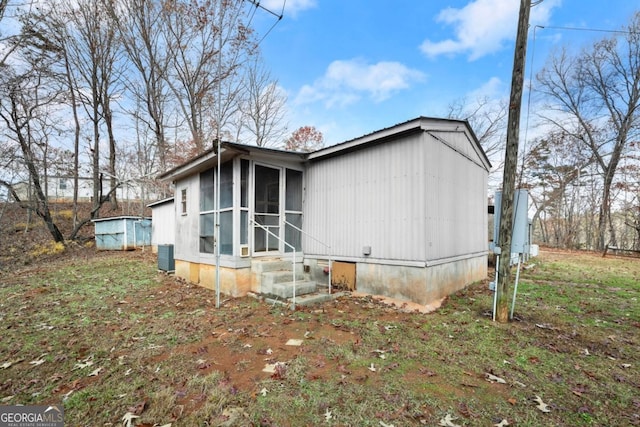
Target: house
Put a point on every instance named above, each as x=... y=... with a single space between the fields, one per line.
x=162 y=222
x=59 y=188
x=400 y=212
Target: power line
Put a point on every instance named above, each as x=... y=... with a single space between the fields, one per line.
x=257 y=5
x=596 y=30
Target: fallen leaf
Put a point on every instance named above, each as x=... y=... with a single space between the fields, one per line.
x=6 y=399
x=447 y=421
x=127 y=419
x=81 y=365
x=95 y=372
x=541 y=405
x=383 y=424
x=37 y=362
x=626 y=365
x=493 y=379
x=512 y=401
x=502 y=423
x=465 y=411
x=55 y=377
x=138 y=408
x=372 y=368
x=10 y=363
x=427 y=372
x=327 y=415
x=263 y=392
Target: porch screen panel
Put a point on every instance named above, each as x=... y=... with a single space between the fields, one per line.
x=267 y=208
x=244 y=227
x=244 y=202
x=226 y=232
x=207 y=200
x=293 y=209
x=244 y=183
x=267 y=190
x=226 y=208
x=207 y=227
x=291 y=235
x=264 y=241
x=226 y=185
x=294 y=191
x=207 y=215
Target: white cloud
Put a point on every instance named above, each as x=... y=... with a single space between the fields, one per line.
x=346 y=82
x=482 y=26
x=291 y=7
x=494 y=88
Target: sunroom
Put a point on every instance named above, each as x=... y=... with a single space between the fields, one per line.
x=258 y=196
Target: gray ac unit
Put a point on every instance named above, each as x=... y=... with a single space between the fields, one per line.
x=166 y=261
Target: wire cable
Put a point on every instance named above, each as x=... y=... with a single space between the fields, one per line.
x=257 y=5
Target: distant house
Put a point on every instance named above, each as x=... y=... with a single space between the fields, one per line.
x=400 y=212
x=59 y=188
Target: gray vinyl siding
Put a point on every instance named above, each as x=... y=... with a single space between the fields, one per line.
x=187 y=230
x=409 y=199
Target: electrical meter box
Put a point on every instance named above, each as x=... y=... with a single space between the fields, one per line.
x=520 y=237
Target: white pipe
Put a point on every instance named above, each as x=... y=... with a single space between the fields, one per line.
x=515 y=288
x=293 y=307
x=495 y=290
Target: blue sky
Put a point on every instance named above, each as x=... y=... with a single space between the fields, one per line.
x=350 y=67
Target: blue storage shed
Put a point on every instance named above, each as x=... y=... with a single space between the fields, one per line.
x=122 y=233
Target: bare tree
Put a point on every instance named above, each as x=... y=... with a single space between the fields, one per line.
x=206 y=42
x=598 y=94
x=24 y=104
x=263 y=109
x=555 y=167
x=93 y=55
x=487 y=118
x=139 y=24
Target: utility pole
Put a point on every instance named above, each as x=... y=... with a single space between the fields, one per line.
x=510 y=165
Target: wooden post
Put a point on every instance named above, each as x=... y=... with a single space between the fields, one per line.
x=511 y=163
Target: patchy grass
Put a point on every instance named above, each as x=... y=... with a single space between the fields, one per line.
x=107 y=335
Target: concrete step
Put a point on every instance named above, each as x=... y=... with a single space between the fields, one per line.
x=317 y=298
x=285 y=289
x=274 y=264
x=270 y=278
